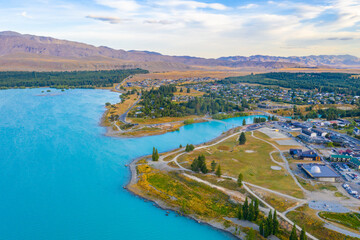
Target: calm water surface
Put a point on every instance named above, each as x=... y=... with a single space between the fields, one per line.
x=61 y=178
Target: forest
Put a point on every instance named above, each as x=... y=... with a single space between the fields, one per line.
x=341 y=83
x=65 y=79
x=158 y=103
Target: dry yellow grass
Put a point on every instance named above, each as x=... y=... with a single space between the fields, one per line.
x=185 y=74
x=121 y=108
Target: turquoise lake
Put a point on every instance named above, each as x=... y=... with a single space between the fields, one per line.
x=61 y=178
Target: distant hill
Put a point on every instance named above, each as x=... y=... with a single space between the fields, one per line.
x=29 y=52
x=340 y=61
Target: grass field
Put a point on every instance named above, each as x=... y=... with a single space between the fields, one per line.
x=351 y=220
x=317 y=186
x=252 y=160
x=305 y=216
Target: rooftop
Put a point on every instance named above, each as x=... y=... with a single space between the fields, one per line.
x=325 y=171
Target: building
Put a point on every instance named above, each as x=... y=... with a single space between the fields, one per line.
x=356 y=131
x=340 y=158
x=355 y=163
x=309 y=156
x=295 y=151
x=320 y=172
x=308 y=133
x=319 y=132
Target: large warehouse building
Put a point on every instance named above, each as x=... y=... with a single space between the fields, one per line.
x=320 y=172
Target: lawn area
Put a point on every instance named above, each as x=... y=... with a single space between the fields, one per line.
x=305 y=216
x=350 y=220
x=252 y=160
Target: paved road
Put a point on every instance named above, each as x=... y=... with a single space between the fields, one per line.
x=123 y=116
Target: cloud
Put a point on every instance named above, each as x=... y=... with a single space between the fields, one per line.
x=191 y=4
x=161 y=22
x=248 y=6
x=340 y=38
x=25 y=15
x=122 y=5
x=112 y=20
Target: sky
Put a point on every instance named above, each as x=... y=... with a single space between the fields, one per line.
x=203 y=28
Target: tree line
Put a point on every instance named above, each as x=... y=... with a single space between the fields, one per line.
x=66 y=79
x=341 y=83
x=159 y=103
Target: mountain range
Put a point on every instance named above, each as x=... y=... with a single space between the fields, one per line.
x=37 y=53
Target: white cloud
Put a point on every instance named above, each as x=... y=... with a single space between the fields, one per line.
x=25 y=15
x=195 y=27
x=191 y=4
x=122 y=5
x=112 y=20
x=248 y=6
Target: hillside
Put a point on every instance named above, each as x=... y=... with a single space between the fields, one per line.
x=29 y=52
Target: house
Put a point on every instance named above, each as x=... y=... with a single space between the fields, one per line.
x=295 y=151
x=319 y=132
x=309 y=133
x=309 y=156
x=355 y=163
x=340 y=158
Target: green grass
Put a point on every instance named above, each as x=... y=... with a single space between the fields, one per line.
x=350 y=220
x=255 y=165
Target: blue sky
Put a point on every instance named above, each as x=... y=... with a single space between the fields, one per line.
x=205 y=28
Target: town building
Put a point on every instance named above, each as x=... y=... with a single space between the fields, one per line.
x=320 y=172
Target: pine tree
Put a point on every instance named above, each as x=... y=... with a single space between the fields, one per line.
x=256 y=209
x=181 y=90
x=303 y=234
x=269 y=223
x=244 y=122
x=240 y=179
x=218 y=171
x=195 y=165
x=275 y=223
x=250 y=216
x=293 y=235
x=155 y=154
x=213 y=166
x=188 y=90
x=240 y=214
x=245 y=211
x=180 y=146
x=202 y=164
x=242 y=138
x=261 y=228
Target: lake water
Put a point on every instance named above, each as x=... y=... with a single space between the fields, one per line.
x=61 y=178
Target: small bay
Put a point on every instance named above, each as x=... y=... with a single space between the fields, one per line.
x=62 y=178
